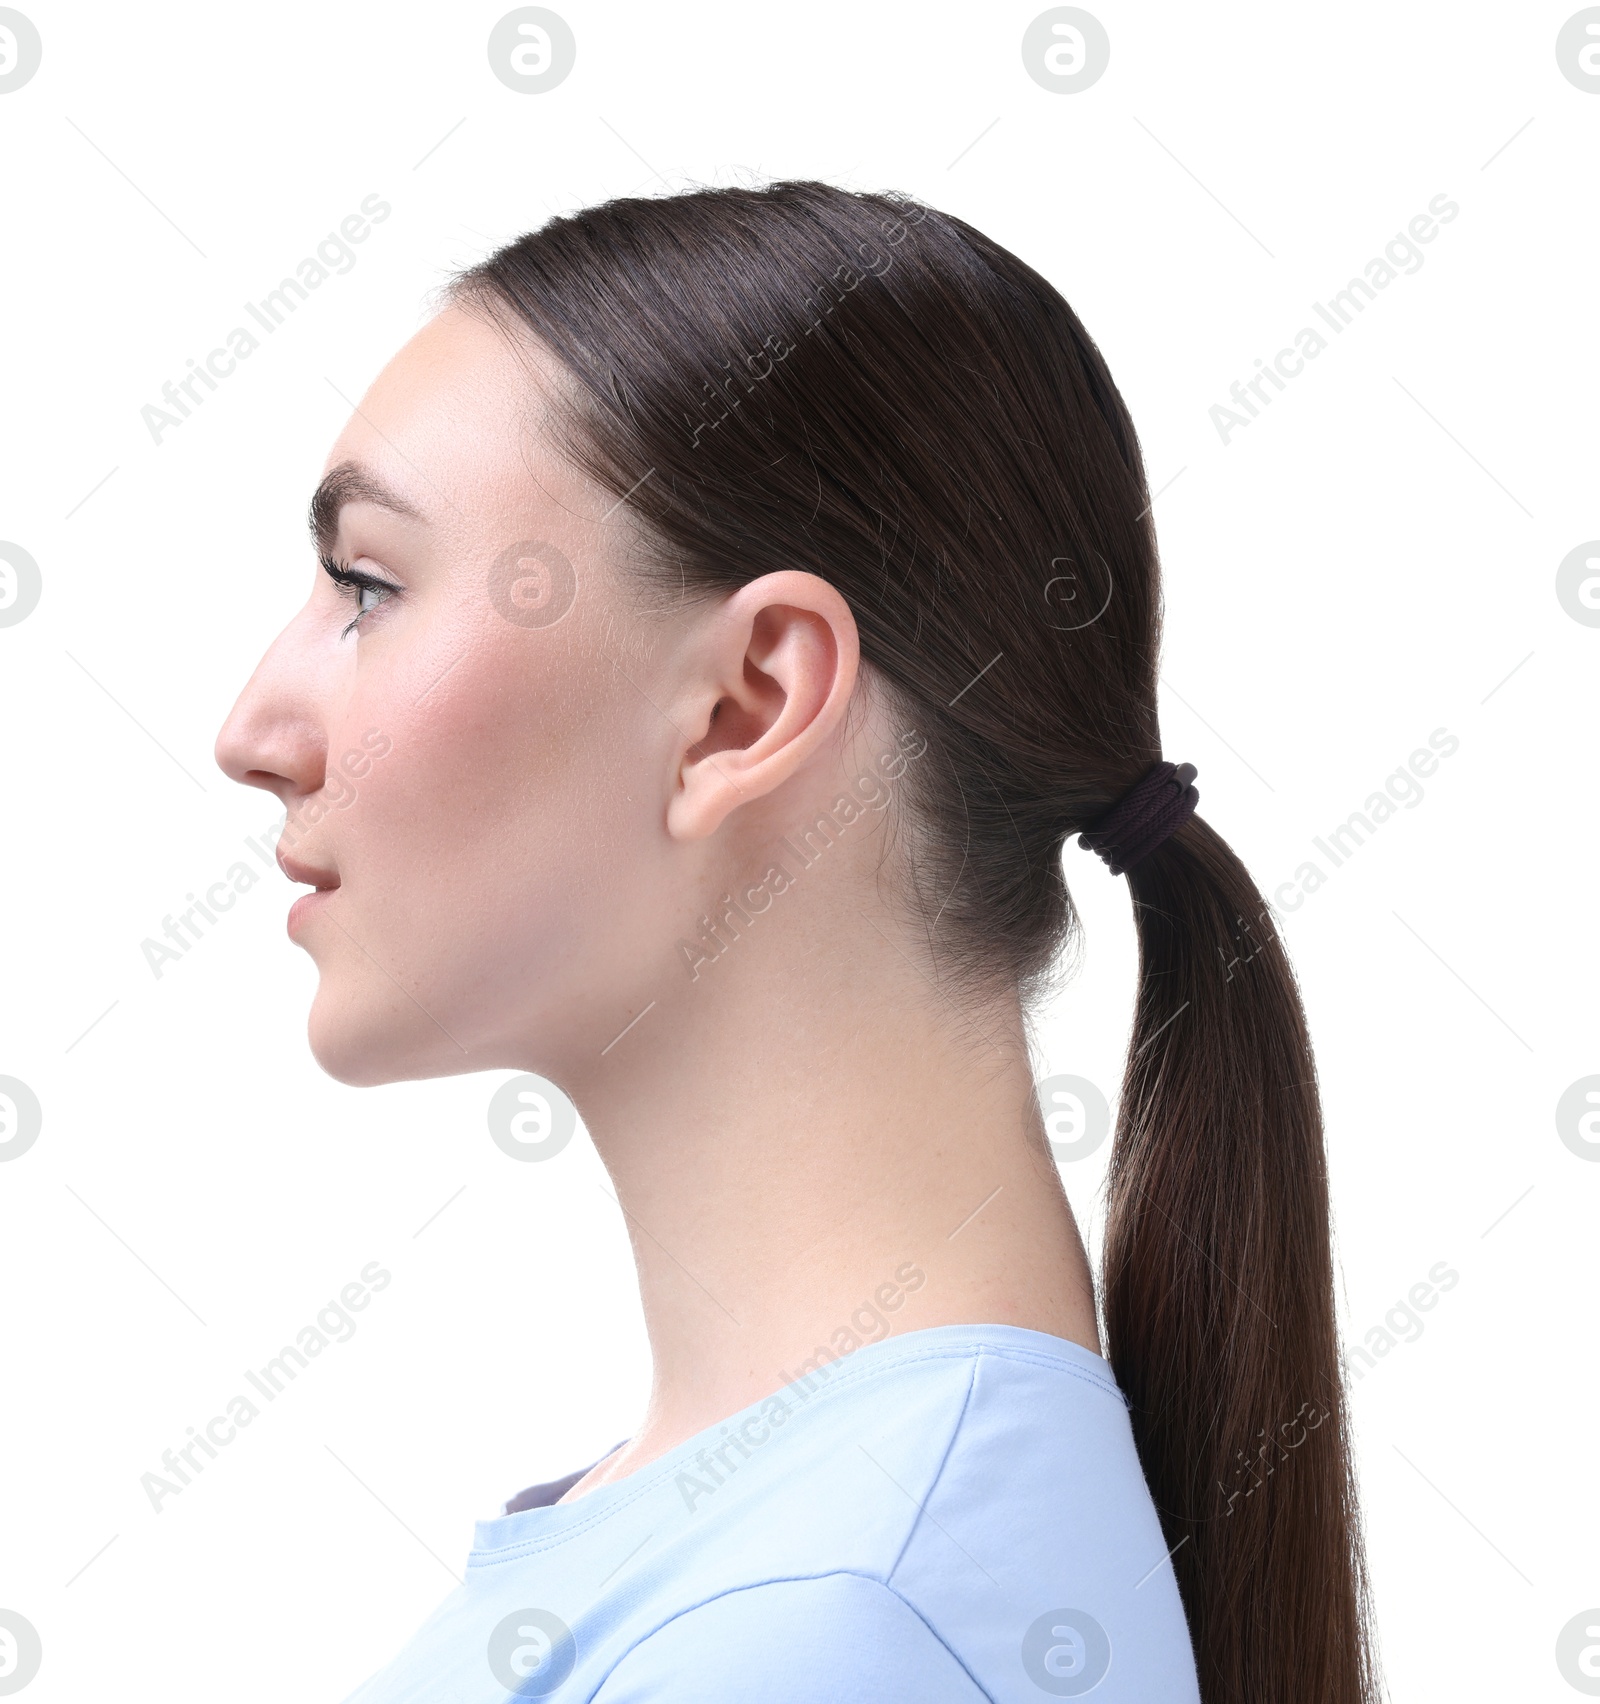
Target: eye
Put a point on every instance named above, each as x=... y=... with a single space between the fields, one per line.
x=367 y=591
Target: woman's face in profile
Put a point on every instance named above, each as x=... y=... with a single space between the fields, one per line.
x=471 y=761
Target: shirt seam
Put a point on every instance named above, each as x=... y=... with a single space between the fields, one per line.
x=938 y=1473
x=799 y=1579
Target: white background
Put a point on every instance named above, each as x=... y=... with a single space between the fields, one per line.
x=1372 y=559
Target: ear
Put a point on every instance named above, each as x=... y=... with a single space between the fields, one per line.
x=772 y=671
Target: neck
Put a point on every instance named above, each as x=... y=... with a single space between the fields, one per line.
x=824 y=1151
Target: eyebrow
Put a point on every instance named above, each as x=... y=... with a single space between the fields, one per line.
x=349 y=482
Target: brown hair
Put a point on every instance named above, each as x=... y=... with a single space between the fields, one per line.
x=862 y=386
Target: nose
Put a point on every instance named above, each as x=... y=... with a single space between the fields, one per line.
x=275 y=736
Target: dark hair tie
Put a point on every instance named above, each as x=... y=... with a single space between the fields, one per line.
x=1143 y=817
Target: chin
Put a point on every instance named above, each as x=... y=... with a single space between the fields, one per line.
x=366 y=1048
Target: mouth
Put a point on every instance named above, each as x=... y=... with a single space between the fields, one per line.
x=325 y=883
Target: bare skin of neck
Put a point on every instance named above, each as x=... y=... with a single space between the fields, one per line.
x=812 y=1116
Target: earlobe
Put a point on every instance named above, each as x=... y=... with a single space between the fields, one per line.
x=774 y=670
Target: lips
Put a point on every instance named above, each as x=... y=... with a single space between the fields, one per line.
x=325 y=882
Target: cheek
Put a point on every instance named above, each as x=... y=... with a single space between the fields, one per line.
x=497 y=843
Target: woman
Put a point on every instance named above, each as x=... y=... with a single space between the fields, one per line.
x=750 y=591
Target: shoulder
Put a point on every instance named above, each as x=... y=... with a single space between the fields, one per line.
x=838 y=1635
x=861 y=1466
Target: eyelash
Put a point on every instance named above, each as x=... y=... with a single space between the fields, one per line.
x=353 y=584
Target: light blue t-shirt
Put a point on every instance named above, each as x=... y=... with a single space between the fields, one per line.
x=953 y=1515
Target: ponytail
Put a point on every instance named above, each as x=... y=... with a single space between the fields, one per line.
x=1218 y=1291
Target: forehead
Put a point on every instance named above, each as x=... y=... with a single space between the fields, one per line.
x=455 y=420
